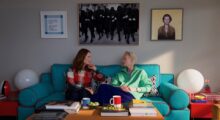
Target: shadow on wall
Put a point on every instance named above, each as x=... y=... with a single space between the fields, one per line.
x=180 y=56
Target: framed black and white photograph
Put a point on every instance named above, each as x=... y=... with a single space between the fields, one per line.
x=108 y=23
x=167 y=24
x=53 y=24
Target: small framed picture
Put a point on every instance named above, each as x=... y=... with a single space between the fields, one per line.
x=53 y=24
x=108 y=23
x=167 y=24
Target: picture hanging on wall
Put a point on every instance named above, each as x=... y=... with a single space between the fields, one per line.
x=166 y=24
x=108 y=23
x=53 y=24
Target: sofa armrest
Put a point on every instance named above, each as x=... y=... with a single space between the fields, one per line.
x=29 y=96
x=175 y=97
x=45 y=77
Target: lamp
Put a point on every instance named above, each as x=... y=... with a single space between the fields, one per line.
x=190 y=80
x=26 y=78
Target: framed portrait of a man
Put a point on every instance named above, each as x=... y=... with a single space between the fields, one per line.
x=108 y=23
x=166 y=24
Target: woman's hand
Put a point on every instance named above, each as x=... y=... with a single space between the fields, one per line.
x=92 y=67
x=125 y=88
x=70 y=77
x=90 y=90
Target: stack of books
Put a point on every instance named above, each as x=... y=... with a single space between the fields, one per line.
x=199 y=99
x=67 y=106
x=2 y=97
x=211 y=96
x=110 y=110
x=141 y=108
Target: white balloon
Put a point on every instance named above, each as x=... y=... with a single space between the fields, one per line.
x=26 y=78
x=190 y=80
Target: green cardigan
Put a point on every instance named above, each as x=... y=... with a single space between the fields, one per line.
x=137 y=79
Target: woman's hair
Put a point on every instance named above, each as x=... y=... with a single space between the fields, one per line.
x=78 y=62
x=131 y=55
x=167 y=15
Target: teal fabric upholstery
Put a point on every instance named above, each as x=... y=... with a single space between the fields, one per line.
x=45 y=78
x=172 y=103
x=109 y=70
x=178 y=115
x=29 y=97
x=175 y=97
x=167 y=78
x=24 y=112
x=58 y=76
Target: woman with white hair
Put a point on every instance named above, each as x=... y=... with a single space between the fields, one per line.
x=130 y=83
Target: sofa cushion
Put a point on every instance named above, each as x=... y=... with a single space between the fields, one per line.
x=167 y=78
x=159 y=103
x=109 y=70
x=45 y=77
x=58 y=96
x=58 y=76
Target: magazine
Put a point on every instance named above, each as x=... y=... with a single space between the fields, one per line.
x=63 y=105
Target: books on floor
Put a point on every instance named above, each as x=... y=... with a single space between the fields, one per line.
x=110 y=110
x=198 y=99
x=67 y=106
x=211 y=96
x=141 y=108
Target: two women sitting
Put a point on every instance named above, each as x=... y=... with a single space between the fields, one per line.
x=130 y=83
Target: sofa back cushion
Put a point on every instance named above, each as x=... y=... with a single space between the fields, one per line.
x=109 y=70
x=59 y=71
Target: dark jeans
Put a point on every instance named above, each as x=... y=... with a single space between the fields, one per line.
x=105 y=93
x=76 y=93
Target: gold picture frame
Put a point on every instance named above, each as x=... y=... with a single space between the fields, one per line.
x=167 y=24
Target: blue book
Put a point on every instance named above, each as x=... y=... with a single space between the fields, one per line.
x=199 y=101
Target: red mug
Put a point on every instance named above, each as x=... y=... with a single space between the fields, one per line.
x=116 y=101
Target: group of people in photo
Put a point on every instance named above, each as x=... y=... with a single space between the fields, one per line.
x=99 y=22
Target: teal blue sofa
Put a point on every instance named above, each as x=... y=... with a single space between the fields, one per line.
x=172 y=102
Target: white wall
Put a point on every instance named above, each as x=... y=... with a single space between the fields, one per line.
x=22 y=47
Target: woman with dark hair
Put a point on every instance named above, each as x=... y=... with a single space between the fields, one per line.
x=79 y=78
x=166 y=32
